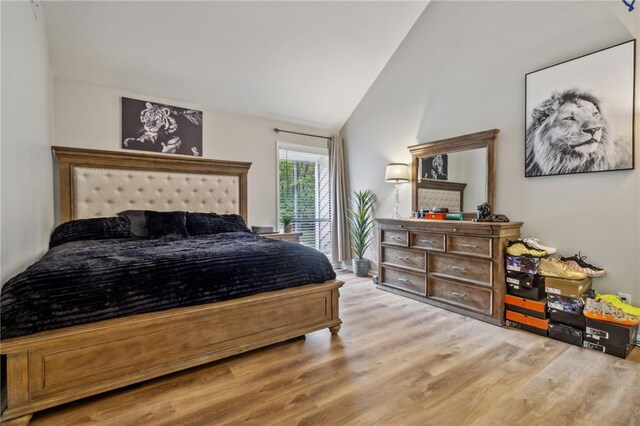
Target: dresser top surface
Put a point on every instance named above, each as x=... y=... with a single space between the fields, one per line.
x=410 y=221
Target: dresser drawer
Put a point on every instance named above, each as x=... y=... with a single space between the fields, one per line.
x=395 y=237
x=428 y=241
x=457 y=227
x=466 y=296
x=411 y=282
x=405 y=258
x=474 y=246
x=476 y=271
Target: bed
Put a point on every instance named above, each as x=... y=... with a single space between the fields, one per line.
x=65 y=361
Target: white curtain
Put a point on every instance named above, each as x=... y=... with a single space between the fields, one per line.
x=341 y=248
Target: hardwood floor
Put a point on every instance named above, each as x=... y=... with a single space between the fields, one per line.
x=396 y=361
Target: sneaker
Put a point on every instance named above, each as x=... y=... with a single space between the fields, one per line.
x=618 y=303
x=519 y=248
x=555 y=268
x=577 y=263
x=611 y=309
x=535 y=243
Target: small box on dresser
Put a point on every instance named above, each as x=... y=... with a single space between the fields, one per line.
x=455 y=265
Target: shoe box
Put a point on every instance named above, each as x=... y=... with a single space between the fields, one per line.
x=564 y=287
x=530 y=308
x=567 y=318
x=524 y=264
x=525 y=285
x=613 y=339
x=566 y=310
x=525 y=280
x=608 y=332
x=618 y=351
x=572 y=305
x=565 y=333
x=535 y=293
x=525 y=322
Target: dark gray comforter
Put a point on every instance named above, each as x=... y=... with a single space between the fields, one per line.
x=86 y=281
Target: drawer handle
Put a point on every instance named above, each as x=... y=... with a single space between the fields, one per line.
x=396 y=238
x=468 y=245
x=404 y=280
x=457 y=268
x=457 y=294
x=455 y=230
x=405 y=258
x=428 y=241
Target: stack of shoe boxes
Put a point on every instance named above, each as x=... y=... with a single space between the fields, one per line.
x=553 y=297
x=525 y=302
x=566 y=303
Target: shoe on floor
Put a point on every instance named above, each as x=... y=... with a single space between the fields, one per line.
x=577 y=262
x=535 y=243
x=519 y=248
x=553 y=267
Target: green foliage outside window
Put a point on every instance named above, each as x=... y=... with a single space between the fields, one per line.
x=298 y=189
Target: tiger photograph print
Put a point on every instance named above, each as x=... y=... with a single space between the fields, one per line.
x=155 y=127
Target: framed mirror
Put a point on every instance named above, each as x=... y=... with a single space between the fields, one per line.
x=457 y=173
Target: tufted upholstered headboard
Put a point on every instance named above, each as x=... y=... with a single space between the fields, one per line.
x=434 y=193
x=95 y=183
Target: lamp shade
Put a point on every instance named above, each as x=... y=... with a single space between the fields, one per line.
x=397 y=173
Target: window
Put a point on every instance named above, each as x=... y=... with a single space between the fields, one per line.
x=303 y=193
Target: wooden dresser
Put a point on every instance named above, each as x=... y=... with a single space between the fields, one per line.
x=455 y=265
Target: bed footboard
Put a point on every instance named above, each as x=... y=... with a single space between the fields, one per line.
x=53 y=367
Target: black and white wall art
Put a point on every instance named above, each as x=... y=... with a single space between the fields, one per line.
x=436 y=167
x=150 y=126
x=579 y=114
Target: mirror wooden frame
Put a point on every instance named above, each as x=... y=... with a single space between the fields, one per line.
x=485 y=139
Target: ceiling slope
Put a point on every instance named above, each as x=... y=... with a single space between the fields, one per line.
x=305 y=62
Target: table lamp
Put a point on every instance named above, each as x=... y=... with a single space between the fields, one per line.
x=397 y=173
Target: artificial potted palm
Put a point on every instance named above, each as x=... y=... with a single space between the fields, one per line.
x=361 y=225
x=287 y=220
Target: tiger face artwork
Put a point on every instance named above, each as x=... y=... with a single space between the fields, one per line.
x=569 y=134
x=162 y=128
x=154 y=118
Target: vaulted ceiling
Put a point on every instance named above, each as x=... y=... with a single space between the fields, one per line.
x=304 y=62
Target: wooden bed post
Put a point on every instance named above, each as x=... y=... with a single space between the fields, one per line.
x=335 y=311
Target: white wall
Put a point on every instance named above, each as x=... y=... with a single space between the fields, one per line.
x=27 y=189
x=89 y=116
x=461 y=70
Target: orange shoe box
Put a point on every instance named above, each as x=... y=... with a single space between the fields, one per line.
x=525 y=322
x=569 y=288
x=531 y=308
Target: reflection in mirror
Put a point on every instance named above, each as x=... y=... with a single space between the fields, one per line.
x=457 y=180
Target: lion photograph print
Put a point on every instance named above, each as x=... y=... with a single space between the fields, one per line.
x=579 y=114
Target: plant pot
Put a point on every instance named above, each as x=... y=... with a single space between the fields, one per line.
x=360 y=267
x=287 y=229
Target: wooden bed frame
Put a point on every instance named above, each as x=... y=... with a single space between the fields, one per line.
x=53 y=367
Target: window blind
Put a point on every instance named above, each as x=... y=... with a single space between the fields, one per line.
x=303 y=183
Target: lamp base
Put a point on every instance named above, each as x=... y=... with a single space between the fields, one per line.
x=396 y=207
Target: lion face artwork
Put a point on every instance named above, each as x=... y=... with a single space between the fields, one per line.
x=569 y=134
